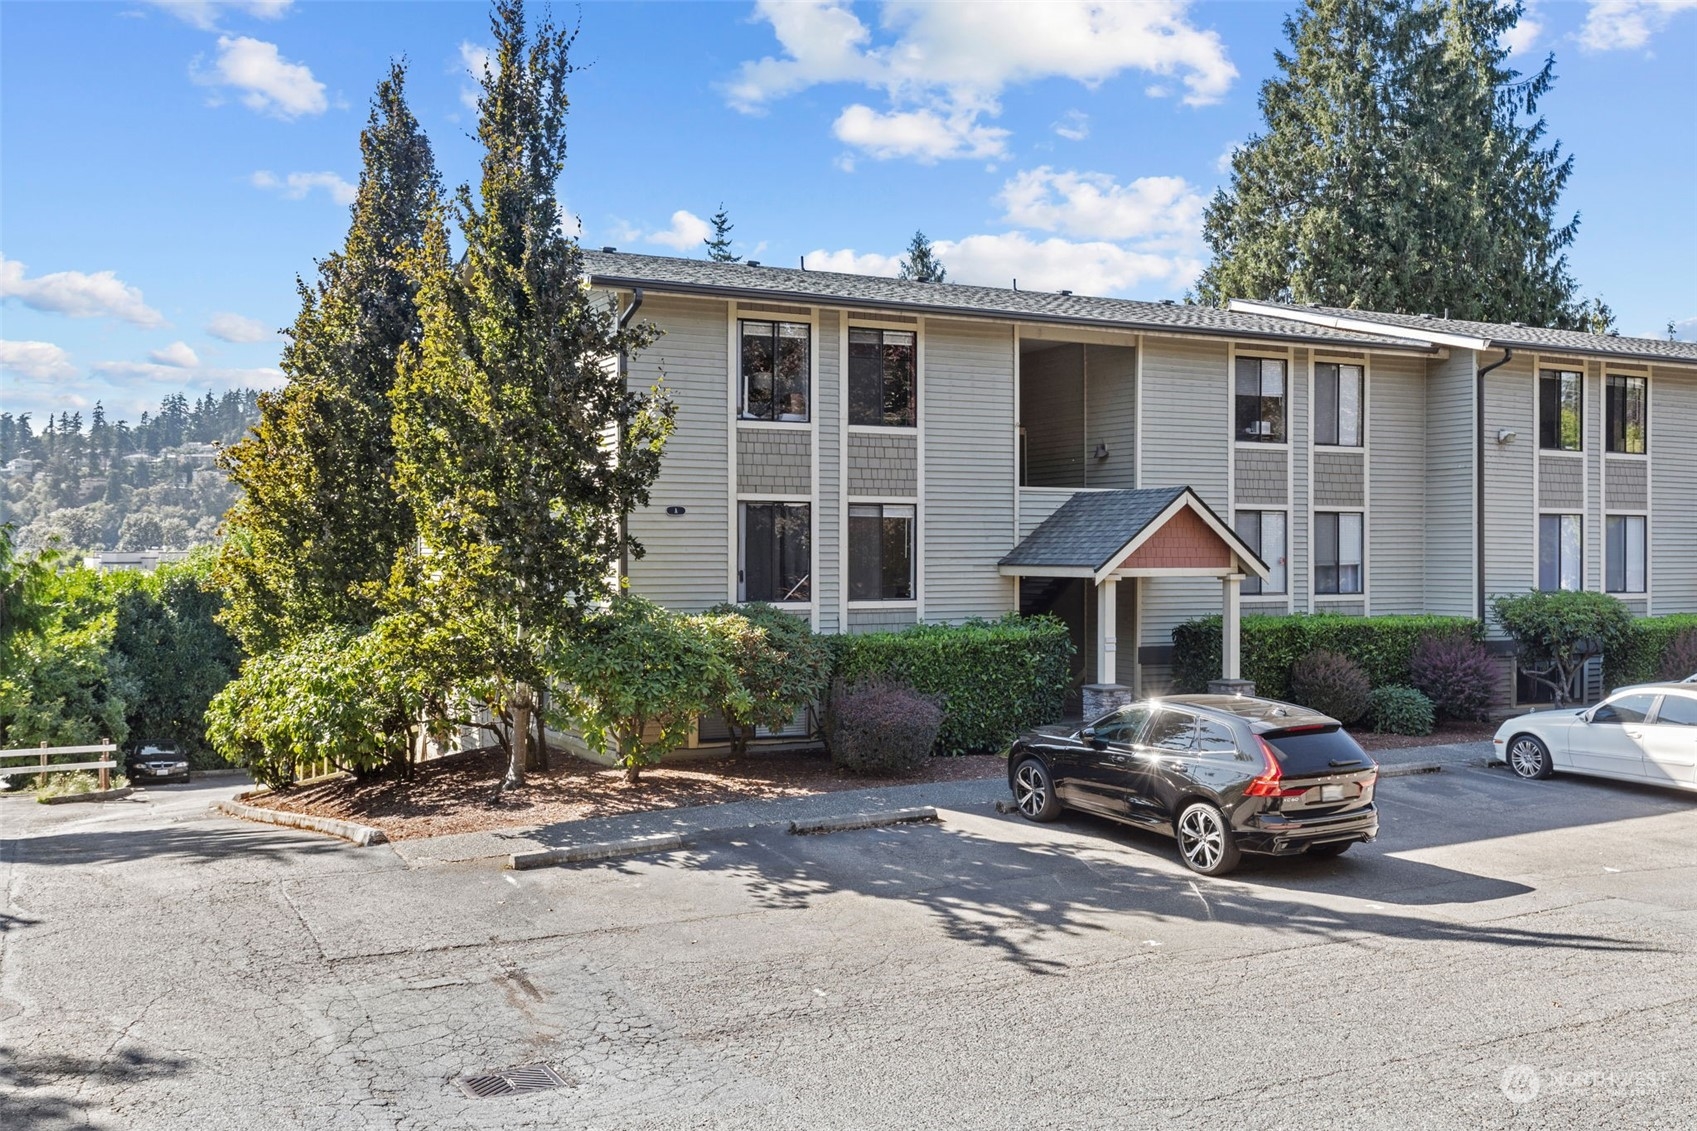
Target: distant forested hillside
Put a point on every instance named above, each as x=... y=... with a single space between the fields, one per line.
x=103 y=485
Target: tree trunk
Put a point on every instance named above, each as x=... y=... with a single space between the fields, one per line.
x=536 y=757
x=518 y=760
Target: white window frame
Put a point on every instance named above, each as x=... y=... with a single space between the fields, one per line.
x=1626 y=519
x=741 y=379
x=1562 y=565
x=1282 y=565
x=1315 y=564
x=1261 y=355
x=861 y=323
x=912 y=602
x=1360 y=441
x=741 y=557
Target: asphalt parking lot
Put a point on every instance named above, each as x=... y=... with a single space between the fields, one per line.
x=1507 y=954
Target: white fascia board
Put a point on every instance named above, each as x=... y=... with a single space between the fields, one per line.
x=1361 y=325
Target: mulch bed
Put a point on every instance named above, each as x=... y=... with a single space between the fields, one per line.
x=458 y=794
x=1447 y=733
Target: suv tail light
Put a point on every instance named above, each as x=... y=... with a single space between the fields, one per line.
x=1268 y=784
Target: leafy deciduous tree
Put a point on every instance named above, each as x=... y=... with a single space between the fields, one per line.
x=1557 y=634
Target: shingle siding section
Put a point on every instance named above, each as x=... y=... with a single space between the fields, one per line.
x=1262 y=478
x=1628 y=488
x=968 y=506
x=1561 y=483
x=685 y=567
x=1338 y=480
x=883 y=465
x=880 y=620
x=772 y=461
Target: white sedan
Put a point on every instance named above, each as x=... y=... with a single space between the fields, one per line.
x=1644 y=733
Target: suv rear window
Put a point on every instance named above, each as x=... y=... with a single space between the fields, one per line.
x=1306 y=752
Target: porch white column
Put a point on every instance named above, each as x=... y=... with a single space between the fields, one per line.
x=1230 y=636
x=1107 y=639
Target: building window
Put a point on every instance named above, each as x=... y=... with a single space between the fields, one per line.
x=777 y=553
x=881 y=389
x=1264 y=532
x=1261 y=400
x=775 y=370
x=1559 y=408
x=1629 y=414
x=1337 y=553
x=880 y=538
x=1337 y=404
x=1558 y=552
x=1625 y=553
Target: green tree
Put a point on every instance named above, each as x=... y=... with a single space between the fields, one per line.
x=775 y=666
x=521 y=447
x=26 y=585
x=61 y=682
x=719 y=247
x=922 y=264
x=1557 y=634
x=1402 y=168
x=638 y=674
x=319 y=525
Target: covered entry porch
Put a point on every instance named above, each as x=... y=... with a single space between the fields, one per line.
x=1098 y=539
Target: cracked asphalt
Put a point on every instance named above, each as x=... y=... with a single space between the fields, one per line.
x=163 y=968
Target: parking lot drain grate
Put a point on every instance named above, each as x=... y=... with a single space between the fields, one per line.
x=512 y=1082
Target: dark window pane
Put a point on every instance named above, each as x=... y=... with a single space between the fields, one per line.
x=1627 y=401
x=1248 y=528
x=898 y=379
x=1172 y=730
x=795 y=552
x=1316 y=751
x=777 y=552
x=1325 y=404
x=1626 y=709
x=759 y=555
x=1122 y=726
x=1350 y=406
x=1549 y=411
x=865 y=549
x=791 y=385
x=865 y=377
x=1615 y=545
x=1677 y=710
x=1215 y=737
x=1325 y=553
x=898 y=556
x=1549 y=552
x=757 y=369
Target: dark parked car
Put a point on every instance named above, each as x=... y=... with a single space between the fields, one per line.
x=1224 y=774
x=157 y=763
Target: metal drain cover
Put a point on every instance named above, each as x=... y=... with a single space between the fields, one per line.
x=512 y=1082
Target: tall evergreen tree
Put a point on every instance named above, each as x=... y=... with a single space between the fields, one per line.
x=521 y=448
x=922 y=264
x=317 y=531
x=719 y=247
x=1403 y=168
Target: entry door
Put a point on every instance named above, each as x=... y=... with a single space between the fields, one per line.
x=1613 y=741
x=1106 y=764
x=1670 y=742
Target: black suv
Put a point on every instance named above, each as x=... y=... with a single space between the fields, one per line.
x=1225 y=774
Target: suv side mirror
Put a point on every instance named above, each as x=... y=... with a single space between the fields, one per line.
x=1088 y=734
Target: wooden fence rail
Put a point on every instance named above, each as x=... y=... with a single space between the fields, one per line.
x=41 y=767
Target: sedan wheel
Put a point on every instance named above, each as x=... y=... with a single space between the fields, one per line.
x=1034 y=792
x=1205 y=840
x=1529 y=758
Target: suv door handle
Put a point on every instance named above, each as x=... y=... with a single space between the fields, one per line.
x=1121 y=758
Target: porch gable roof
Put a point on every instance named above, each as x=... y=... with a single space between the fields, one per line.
x=1093 y=533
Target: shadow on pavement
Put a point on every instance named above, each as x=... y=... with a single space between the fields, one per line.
x=27 y=1075
x=191 y=844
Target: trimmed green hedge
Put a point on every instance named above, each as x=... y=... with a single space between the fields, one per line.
x=1647 y=641
x=996 y=678
x=1271 y=644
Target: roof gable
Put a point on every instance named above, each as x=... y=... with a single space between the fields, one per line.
x=1096 y=533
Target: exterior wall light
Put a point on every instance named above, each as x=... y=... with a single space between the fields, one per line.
x=1505 y=435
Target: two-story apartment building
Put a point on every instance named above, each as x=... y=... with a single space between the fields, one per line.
x=875 y=452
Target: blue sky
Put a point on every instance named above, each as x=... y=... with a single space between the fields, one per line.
x=166 y=170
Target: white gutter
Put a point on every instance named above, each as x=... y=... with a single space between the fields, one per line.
x=1359 y=325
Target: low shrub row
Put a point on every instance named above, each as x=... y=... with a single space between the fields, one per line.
x=1653 y=648
x=993 y=678
x=1384 y=647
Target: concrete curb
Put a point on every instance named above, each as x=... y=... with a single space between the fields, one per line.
x=598 y=850
x=95 y=795
x=362 y=835
x=1409 y=769
x=863 y=821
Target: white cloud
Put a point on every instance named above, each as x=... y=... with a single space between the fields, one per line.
x=921 y=134
x=854 y=263
x=176 y=354
x=177 y=376
x=685 y=234
x=236 y=328
x=474 y=60
x=1223 y=163
x=36 y=361
x=1092 y=267
x=1074 y=125
x=203 y=14
x=1094 y=205
x=269 y=83
x=295 y=186
x=946 y=64
x=1627 y=24
x=1684 y=330
x=72 y=293
x=1524 y=35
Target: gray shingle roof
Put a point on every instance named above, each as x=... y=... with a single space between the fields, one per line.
x=1092 y=527
x=1501 y=335
x=786 y=284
